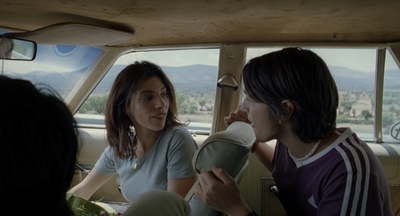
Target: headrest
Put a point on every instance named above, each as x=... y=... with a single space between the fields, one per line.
x=227 y=149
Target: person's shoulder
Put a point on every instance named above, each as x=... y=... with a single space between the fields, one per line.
x=179 y=135
x=174 y=129
x=109 y=151
x=346 y=133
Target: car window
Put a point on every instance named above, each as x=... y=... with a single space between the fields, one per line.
x=354 y=72
x=192 y=72
x=391 y=100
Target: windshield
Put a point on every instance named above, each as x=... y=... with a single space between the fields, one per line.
x=58 y=66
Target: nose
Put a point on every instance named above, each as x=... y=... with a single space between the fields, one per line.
x=161 y=101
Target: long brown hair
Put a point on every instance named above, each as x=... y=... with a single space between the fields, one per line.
x=118 y=124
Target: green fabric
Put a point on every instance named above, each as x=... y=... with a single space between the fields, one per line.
x=82 y=207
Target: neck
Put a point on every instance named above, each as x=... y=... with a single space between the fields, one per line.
x=305 y=150
x=300 y=150
x=145 y=141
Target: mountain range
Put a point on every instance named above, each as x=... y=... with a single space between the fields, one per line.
x=203 y=78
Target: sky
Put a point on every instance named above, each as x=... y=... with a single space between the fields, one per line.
x=175 y=58
x=361 y=59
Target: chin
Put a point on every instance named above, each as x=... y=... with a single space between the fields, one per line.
x=159 y=127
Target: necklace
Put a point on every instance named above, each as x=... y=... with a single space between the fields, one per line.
x=135 y=157
x=307 y=156
x=135 y=164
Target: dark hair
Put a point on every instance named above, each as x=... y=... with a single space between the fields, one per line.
x=302 y=77
x=129 y=81
x=39 y=145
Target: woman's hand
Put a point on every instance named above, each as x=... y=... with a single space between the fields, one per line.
x=219 y=191
x=240 y=114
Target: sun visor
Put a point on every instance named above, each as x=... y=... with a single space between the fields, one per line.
x=75 y=34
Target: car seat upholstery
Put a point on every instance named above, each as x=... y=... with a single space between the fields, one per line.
x=227 y=149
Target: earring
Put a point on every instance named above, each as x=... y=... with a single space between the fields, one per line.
x=131 y=133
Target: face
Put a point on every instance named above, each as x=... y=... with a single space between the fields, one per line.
x=265 y=127
x=149 y=106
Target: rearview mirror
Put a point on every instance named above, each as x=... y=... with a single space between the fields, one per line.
x=17 y=49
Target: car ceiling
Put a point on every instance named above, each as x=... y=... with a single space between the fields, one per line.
x=178 y=22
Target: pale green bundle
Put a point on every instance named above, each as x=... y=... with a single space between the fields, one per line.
x=82 y=207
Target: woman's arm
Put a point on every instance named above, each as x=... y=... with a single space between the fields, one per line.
x=89 y=185
x=265 y=154
x=181 y=186
x=180 y=152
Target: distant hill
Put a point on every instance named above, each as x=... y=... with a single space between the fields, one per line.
x=348 y=79
x=197 y=78
x=203 y=78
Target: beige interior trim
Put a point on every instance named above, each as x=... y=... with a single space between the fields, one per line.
x=82 y=35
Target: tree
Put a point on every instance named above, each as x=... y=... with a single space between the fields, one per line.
x=94 y=104
x=183 y=108
x=202 y=103
x=346 y=106
x=181 y=98
x=192 y=109
x=366 y=114
x=392 y=110
x=387 y=120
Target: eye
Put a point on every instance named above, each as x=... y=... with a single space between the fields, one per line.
x=164 y=95
x=147 y=97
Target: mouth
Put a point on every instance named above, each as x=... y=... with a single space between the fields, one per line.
x=159 y=115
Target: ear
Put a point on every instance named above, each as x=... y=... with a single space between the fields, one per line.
x=289 y=107
x=127 y=111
